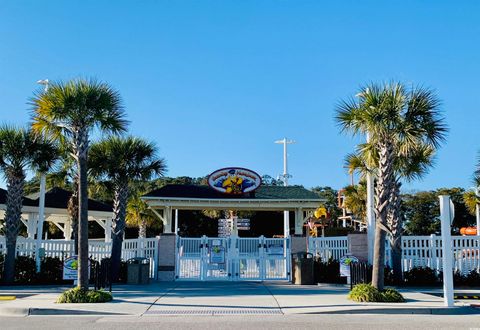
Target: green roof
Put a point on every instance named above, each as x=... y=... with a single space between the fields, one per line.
x=205 y=192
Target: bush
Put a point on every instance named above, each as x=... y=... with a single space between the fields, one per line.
x=25 y=270
x=368 y=293
x=51 y=271
x=392 y=295
x=365 y=293
x=79 y=296
x=473 y=278
x=421 y=276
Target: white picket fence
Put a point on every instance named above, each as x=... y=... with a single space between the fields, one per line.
x=131 y=248
x=417 y=251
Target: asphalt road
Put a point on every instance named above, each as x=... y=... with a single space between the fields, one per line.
x=370 y=322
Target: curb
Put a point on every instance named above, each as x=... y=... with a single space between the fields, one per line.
x=14 y=311
x=459 y=310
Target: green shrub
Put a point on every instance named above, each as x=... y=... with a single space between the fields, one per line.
x=77 y=295
x=365 y=293
x=459 y=279
x=25 y=270
x=51 y=271
x=421 y=276
x=392 y=295
x=473 y=278
x=368 y=293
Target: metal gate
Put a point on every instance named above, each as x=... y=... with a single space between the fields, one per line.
x=232 y=258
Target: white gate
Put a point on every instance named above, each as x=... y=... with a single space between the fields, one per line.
x=233 y=258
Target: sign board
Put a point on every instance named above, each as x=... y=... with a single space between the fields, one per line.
x=234 y=180
x=345 y=265
x=217 y=254
x=275 y=249
x=70 y=268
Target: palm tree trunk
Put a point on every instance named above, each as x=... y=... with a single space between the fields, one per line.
x=142 y=229
x=81 y=153
x=385 y=182
x=12 y=223
x=73 y=213
x=395 y=222
x=118 y=226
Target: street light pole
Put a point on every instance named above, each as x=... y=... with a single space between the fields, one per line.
x=285 y=176
x=41 y=204
x=370 y=212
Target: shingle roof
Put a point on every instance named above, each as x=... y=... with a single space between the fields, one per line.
x=263 y=192
x=26 y=201
x=58 y=198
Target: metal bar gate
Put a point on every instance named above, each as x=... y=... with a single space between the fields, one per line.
x=232 y=259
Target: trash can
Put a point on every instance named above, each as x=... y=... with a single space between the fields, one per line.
x=138 y=271
x=302 y=268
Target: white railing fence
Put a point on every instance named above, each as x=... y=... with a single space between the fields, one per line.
x=417 y=251
x=97 y=250
x=328 y=247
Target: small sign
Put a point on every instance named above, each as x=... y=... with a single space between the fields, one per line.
x=275 y=249
x=70 y=268
x=217 y=254
x=345 y=265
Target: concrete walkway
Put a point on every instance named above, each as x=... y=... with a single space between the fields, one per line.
x=223 y=298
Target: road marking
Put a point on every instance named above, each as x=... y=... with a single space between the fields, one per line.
x=8 y=297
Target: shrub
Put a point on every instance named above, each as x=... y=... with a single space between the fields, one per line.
x=392 y=295
x=365 y=293
x=25 y=270
x=459 y=279
x=421 y=276
x=51 y=271
x=368 y=293
x=77 y=295
x=473 y=278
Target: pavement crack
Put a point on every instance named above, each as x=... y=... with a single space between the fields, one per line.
x=274 y=298
x=160 y=297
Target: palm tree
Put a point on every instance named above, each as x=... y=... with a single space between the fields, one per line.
x=123 y=161
x=407 y=166
x=19 y=151
x=356 y=199
x=398 y=120
x=139 y=215
x=471 y=198
x=70 y=112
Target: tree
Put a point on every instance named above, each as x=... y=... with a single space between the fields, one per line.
x=139 y=215
x=422 y=213
x=70 y=112
x=393 y=116
x=123 y=161
x=330 y=196
x=356 y=199
x=20 y=150
x=407 y=166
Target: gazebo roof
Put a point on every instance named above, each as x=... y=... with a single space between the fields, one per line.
x=26 y=201
x=203 y=197
x=263 y=192
x=58 y=198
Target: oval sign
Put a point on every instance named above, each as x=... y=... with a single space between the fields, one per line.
x=234 y=180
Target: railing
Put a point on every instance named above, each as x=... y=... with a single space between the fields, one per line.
x=97 y=250
x=417 y=251
x=328 y=247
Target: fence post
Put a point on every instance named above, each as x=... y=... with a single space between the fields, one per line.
x=433 y=252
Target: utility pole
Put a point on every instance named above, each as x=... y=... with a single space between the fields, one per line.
x=41 y=202
x=285 y=176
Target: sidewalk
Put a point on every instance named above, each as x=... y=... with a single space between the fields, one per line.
x=225 y=298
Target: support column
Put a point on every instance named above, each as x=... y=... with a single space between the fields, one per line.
x=167 y=216
x=299 y=221
x=446 y=223
x=67 y=233
x=286 y=223
x=176 y=222
x=108 y=230
x=32 y=225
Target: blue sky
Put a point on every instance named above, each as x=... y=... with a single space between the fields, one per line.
x=214 y=83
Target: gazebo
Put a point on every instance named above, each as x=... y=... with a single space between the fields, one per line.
x=170 y=198
x=56 y=212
